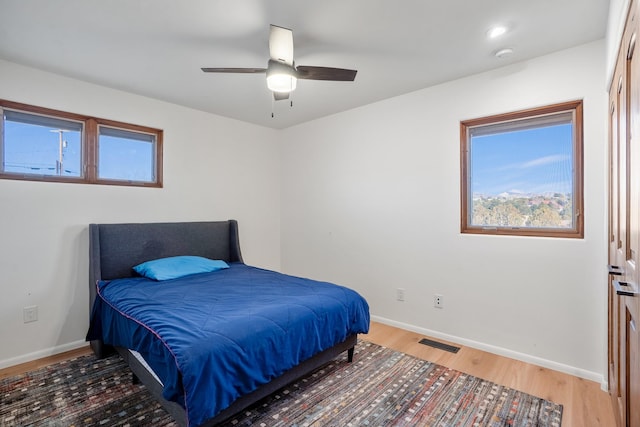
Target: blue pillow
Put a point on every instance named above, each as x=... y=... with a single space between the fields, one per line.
x=178 y=266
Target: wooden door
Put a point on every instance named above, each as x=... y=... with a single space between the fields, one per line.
x=624 y=230
x=615 y=248
x=619 y=248
x=631 y=307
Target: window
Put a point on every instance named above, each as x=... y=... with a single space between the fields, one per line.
x=125 y=155
x=521 y=173
x=42 y=144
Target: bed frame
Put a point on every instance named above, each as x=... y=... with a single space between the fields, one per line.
x=115 y=248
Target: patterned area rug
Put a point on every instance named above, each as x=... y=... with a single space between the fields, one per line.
x=381 y=388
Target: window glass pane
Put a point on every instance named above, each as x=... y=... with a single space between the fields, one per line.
x=126 y=155
x=522 y=176
x=40 y=145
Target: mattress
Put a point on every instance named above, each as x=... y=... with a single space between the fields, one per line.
x=213 y=337
x=144 y=363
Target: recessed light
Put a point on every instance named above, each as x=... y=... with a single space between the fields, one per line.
x=496 y=31
x=503 y=52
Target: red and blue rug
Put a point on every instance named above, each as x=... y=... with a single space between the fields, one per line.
x=382 y=387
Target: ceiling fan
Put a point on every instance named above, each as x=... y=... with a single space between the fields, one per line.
x=282 y=73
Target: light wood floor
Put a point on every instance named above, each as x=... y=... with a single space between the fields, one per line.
x=37 y=364
x=585 y=404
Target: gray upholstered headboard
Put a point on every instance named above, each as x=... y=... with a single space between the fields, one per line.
x=114 y=249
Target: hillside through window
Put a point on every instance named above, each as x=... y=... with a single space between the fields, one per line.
x=522 y=173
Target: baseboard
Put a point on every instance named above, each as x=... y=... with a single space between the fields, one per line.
x=30 y=357
x=567 y=369
x=538 y=361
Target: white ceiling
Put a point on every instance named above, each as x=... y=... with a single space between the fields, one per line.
x=156 y=47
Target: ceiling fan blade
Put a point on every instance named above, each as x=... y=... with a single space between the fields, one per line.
x=234 y=70
x=281 y=44
x=325 y=73
x=279 y=96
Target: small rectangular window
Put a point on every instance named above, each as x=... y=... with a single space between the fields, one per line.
x=522 y=173
x=41 y=144
x=125 y=155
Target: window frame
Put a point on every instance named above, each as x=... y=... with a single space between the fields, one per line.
x=576 y=108
x=89 y=147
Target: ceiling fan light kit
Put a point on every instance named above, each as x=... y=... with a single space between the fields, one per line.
x=282 y=74
x=281 y=77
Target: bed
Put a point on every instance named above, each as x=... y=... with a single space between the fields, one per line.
x=209 y=345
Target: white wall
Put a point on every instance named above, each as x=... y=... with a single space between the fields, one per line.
x=214 y=169
x=368 y=198
x=371 y=199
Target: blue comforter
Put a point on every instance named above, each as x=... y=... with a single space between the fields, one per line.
x=213 y=337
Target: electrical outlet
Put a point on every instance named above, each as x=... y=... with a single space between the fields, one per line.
x=400 y=294
x=438 y=301
x=30 y=314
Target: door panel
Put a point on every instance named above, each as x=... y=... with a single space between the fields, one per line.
x=615 y=243
x=623 y=234
x=633 y=368
x=633 y=235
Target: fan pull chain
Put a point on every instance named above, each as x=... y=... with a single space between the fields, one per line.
x=273 y=101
